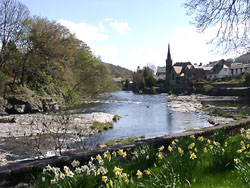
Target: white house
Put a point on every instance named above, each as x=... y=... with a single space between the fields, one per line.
x=219 y=71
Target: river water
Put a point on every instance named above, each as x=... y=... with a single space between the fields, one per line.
x=142 y=115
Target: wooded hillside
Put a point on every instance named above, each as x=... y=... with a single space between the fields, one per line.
x=44 y=57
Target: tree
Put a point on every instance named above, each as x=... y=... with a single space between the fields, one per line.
x=232 y=17
x=13 y=15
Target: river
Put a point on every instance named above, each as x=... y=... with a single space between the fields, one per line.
x=142 y=115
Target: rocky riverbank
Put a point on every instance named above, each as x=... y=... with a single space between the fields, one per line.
x=217 y=115
x=36 y=135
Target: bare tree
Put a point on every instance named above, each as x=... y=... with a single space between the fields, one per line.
x=232 y=17
x=13 y=15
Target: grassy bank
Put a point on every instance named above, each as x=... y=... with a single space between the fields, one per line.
x=221 y=161
x=102 y=126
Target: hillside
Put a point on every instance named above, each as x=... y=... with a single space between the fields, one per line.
x=118 y=71
x=245 y=58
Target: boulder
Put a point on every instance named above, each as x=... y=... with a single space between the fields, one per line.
x=16 y=105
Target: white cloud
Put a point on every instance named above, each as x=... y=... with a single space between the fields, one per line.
x=188 y=45
x=85 y=32
x=107 y=53
x=120 y=27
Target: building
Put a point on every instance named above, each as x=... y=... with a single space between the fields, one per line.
x=239 y=68
x=220 y=70
x=171 y=74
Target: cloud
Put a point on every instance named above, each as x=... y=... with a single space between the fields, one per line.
x=120 y=27
x=188 y=45
x=86 y=32
x=107 y=53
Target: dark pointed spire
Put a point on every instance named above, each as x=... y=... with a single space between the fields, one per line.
x=168 y=60
x=169 y=55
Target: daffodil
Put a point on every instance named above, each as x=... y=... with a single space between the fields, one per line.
x=114 y=153
x=104 y=179
x=147 y=172
x=170 y=148
x=53 y=181
x=124 y=154
x=139 y=174
x=70 y=174
x=111 y=183
x=239 y=151
x=84 y=168
x=173 y=143
x=192 y=136
x=48 y=167
x=75 y=163
x=100 y=162
x=208 y=141
x=205 y=150
x=109 y=157
x=191 y=145
x=225 y=144
x=181 y=152
x=193 y=156
x=143 y=151
x=160 y=155
x=161 y=148
x=236 y=161
x=105 y=155
x=120 y=152
x=66 y=169
x=195 y=149
x=201 y=138
x=98 y=157
x=117 y=171
x=62 y=175
x=78 y=170
x=126 y=181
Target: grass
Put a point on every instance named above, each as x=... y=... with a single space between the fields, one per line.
x=116 y=118
x=220 y=161
x=121 y=141
x=102 y=126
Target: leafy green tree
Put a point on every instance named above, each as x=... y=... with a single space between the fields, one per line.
x=13 y=15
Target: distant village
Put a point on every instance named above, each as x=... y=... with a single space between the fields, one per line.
x=183 y=73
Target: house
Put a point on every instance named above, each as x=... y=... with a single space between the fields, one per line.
x=161 y=73
x=220 y=70
x=239 y=68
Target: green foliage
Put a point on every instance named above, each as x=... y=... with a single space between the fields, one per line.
x=143 y=79
x=51 y=61
x=121 y=141
x=102 y=126
x=220 y=161
x=117 y=71
x=116 y=118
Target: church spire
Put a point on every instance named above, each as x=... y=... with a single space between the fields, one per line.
x=168 y=60
x=169 y=55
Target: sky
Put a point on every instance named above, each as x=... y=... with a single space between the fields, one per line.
x=131 y=33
